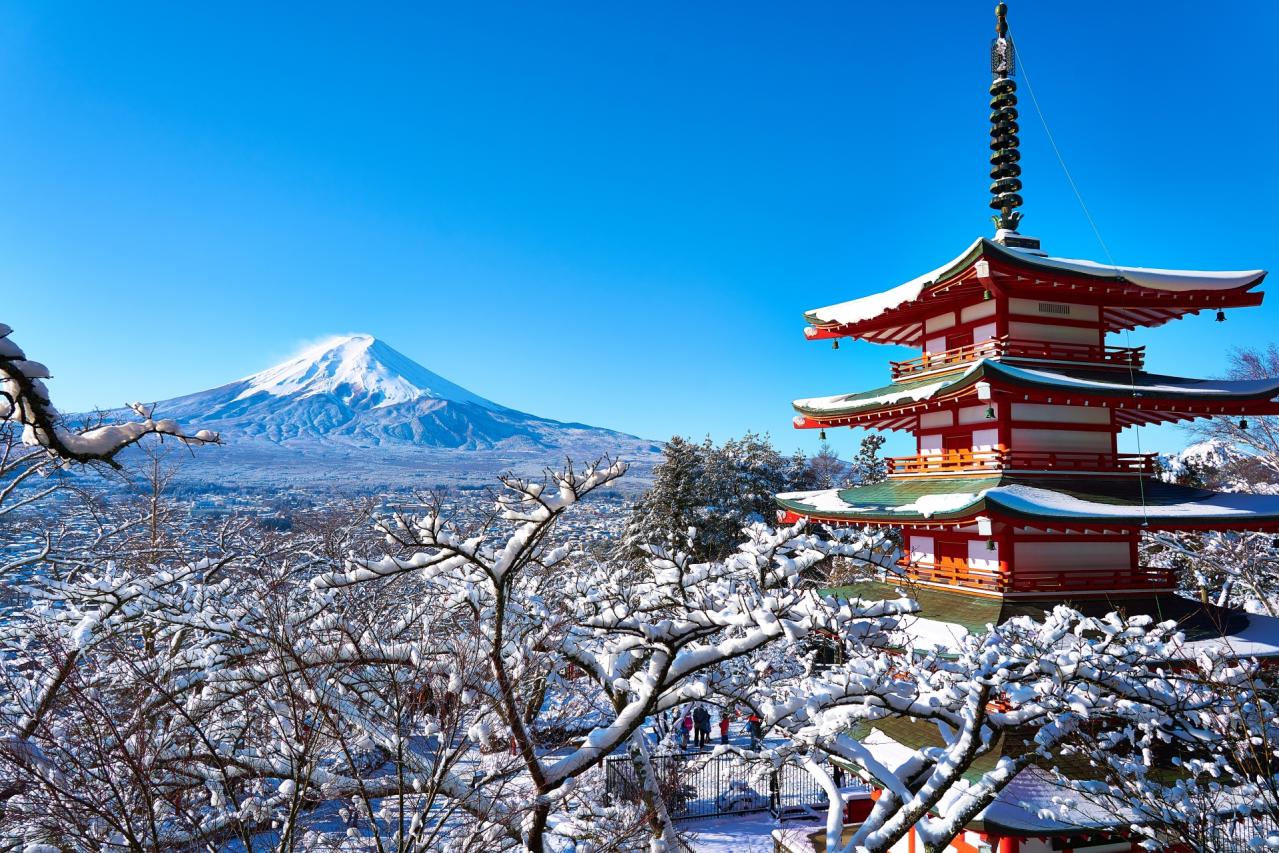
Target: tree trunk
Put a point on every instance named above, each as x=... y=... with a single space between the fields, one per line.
x=659 y=819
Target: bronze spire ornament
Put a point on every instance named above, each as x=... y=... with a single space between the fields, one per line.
x=1005 y=173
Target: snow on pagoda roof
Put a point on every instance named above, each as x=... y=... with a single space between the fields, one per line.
x=1091 y=382
x=964 y=614
x=1259 y=638
x=1169 y=281
x=1044 y=503
x=889 y=395
x=1034 y=803
x=1108 y=381
x=869 y=307
x=1100 y=501
x=902 y=500
x=1029 y=805
x=875 y=305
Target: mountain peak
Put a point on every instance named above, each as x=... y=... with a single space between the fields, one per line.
x=360 y=371
x=350 y=394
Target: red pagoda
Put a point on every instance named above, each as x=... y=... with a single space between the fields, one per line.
x=1017 y=498
x=1016 y=402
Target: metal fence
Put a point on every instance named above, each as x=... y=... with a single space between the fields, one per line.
x=700 y=785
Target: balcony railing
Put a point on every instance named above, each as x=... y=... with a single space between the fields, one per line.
x=1080 y=579
x=1011 y=349
x=951 y=462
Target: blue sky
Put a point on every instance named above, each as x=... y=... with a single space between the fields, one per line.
x=609 y=213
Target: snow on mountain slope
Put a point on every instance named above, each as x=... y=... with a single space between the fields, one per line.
x=360 y=371
x=357 y=392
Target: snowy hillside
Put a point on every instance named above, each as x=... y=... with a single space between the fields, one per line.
x=353 y=404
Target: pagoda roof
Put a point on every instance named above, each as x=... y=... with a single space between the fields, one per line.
x=1067 y=503
x=1130 y=296
x=1138 y=397
x=973 y=613
x=1032 y=804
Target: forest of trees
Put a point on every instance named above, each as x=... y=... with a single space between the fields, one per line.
x=397 y=682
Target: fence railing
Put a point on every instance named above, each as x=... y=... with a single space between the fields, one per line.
x=1012 y=348
x=1028 y=579
x=697 y=785
x=982 y=461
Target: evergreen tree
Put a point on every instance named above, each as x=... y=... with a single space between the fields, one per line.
x=713 y=490
x=868 y=466
x=665 y=513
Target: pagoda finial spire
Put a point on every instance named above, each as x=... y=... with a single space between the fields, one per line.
x=1005 y=185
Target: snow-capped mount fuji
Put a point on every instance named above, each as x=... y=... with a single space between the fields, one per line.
x=358 y=397
x=361 y=372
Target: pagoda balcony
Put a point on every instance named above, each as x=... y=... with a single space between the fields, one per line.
x=1082 y=579
x=985 y=462
x=1049 y=352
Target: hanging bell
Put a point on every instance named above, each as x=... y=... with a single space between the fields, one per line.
x=1221 y=316
x=985 y=295
x=990 y=412
x=834 y=344
x=990 y=544
x=822 y=435
x=1243 y=424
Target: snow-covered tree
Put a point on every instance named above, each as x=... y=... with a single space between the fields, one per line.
x=1256 y=437
x=173 y=704
x=703 y=495
x=1216 y=791
x=1028 y=682
x=462 y=690
x=672 y=506
x=826 y=470
x=25 y=403
x=171 y=687
x=1230 y=568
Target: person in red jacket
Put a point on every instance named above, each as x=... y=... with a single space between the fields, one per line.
x=723 y=727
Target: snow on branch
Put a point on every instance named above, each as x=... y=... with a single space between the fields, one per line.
x=488 y=673
x=24 y=400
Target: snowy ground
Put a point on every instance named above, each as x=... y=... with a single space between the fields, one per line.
x=751 y=833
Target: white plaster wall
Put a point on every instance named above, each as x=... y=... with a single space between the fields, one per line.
x=941 y=321
x=983 y=333
x=1071 y=555
x=981 y=558
x=1063 y=440
x=1047 y=413
x=985 y=308
x=985 y=439
x=976 y=414
x=922 y=549
x=1023 y=331
x=932 y=420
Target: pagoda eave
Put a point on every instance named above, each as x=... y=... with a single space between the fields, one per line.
x=1126 y=413
x=1072 y=505
x=1129 y=297
x=1043 y=524
x=1135 y=397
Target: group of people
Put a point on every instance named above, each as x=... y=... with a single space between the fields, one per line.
x=696 y=724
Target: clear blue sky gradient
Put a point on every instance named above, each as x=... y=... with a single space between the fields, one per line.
x=609 y=213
